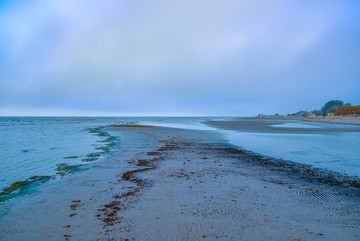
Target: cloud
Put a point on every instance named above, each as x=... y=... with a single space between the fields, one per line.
x=185 y=55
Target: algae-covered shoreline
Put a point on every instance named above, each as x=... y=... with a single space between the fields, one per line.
x=21 y=187
x=173 y=184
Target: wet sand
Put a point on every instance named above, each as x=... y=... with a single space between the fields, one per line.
x=350 y=120
x=269 y=125
x=346 y=120
x=173 y=184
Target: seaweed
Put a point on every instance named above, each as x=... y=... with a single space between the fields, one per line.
x=20 y=187
x=132 y=125
x=108 y=139
x=89 y=159
x=71 y=157
x=105 y=147
x=107 y=142
x=64 y=169
x=94 y=154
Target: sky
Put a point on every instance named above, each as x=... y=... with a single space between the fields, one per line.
x=167 y=57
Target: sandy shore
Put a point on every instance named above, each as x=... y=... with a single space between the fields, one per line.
x=336 y=119
x=348 y=120
x=173 y=184
x=271 y=125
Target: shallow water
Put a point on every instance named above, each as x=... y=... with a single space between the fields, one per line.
x=335 y=151
x=297 y=125
x=34 y=146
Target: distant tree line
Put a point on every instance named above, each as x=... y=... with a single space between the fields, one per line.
x=332 y=107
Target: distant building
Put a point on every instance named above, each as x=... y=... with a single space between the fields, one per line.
x=329 y=114
x=311 y=115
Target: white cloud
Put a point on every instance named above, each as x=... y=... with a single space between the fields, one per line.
x=111 y=51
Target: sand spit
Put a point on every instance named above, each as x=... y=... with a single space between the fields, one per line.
x=346 y=120
x=351 y=120
x=172 y=184
x=270 y=125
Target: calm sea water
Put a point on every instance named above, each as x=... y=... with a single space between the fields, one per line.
x=34 y=146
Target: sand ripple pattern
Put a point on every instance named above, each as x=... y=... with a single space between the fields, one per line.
x=202 y=193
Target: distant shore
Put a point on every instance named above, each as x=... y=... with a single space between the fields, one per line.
x=352 y=120
x=272 y=124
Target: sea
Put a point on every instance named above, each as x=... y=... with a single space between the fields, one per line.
x=46 y=148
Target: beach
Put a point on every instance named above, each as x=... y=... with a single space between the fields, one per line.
x=351 y=120
x=175 y=184
x=273 y=125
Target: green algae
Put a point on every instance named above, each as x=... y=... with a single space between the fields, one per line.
x=17 y=188
x=21 y=187
x=64 y=169
x=104 y=148
x=108 y=139
x=71 y=157
x=89 y=159
x=132 y=125
x=107 y=142
x=98 y=131
x=94 y=155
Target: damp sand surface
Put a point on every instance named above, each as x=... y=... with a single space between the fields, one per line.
x=290 y=125
x=173 y=184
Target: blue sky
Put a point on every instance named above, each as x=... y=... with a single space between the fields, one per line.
x=205 y=57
